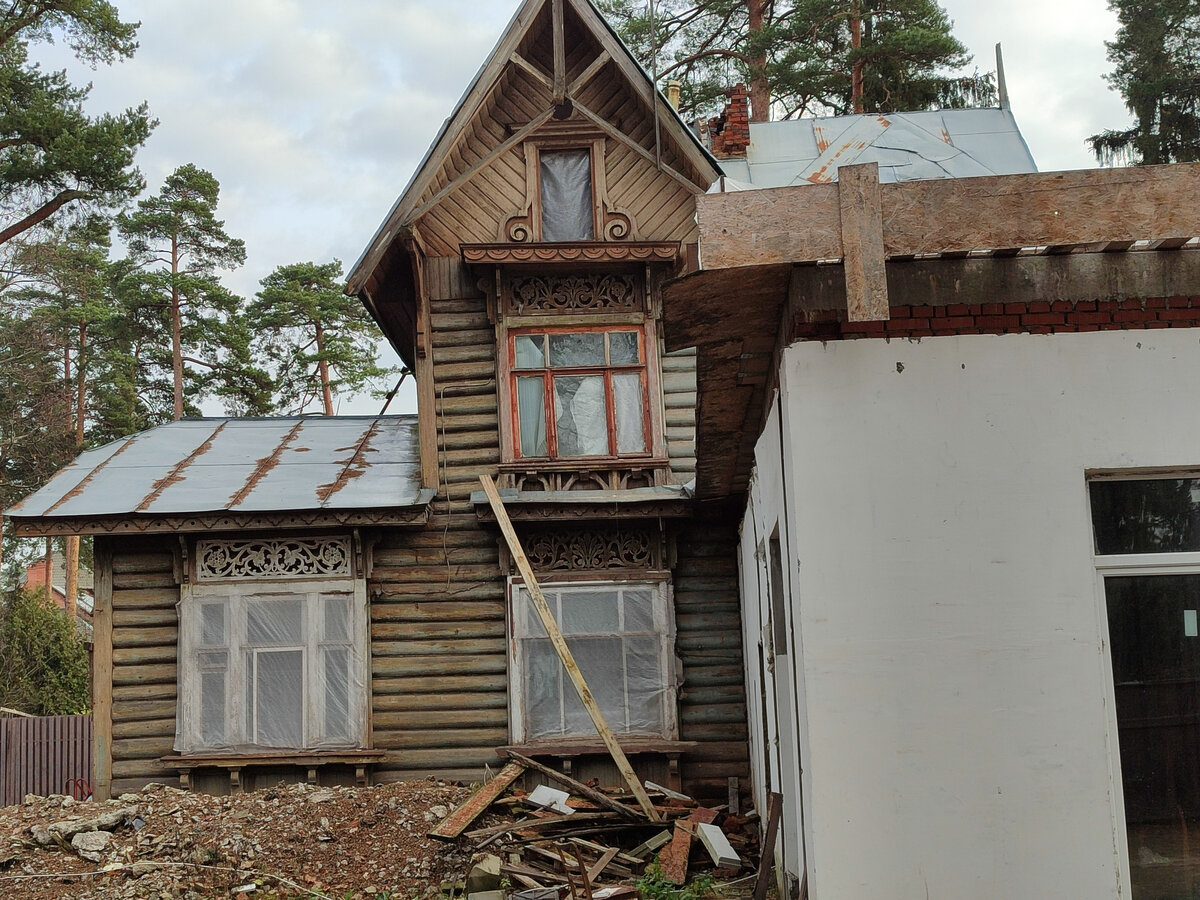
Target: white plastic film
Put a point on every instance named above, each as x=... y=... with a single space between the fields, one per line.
x=270 y=667
x=567 y=196
x=622 y=641
x=582 y=415
x=631 y=422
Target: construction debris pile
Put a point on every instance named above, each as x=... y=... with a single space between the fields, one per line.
x=591 y=844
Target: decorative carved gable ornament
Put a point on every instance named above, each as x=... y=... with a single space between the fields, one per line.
x=586 y=549
x=524 y=226
x=555 y=293
x=268 y=559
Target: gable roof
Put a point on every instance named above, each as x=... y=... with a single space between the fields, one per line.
x=196 y=467
x=910 y=146
x=407 y=207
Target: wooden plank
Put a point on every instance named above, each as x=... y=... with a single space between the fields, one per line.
x=102 y=672
x=590 y=72
x=455 y=823
x=865 y=265
x=673 y=861
x=602 y=863
x=564 y=652
x=533 y=71
x=576 y=787
x=801 y=223
x=767 y=857
x=560 y=52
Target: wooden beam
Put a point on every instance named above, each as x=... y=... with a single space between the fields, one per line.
x=590 y=72
x=102 y=672
x=605 y=126
x=455 y=823
x=533 y=71
x=470 y=173
x=577 y=787
x=801 y=223
x=865 y=266
x=564 y=652
x=559 y=89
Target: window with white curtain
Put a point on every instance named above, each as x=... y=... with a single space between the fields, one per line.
x=622 y=637
x=272 y=665
x=580 y=392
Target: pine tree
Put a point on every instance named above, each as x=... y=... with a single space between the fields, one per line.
x=177 y=247
x=803 y=56
x=321 y=342
x=1156 y=59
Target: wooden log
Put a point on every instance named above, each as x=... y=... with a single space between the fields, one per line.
x=564 y=652
x=455 y=823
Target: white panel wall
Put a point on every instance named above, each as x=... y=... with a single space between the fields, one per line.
x=956 y=687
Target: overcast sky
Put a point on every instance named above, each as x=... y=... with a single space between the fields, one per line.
x=314 y=114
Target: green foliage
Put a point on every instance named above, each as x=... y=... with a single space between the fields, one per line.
x=52 y=154
x=1156 y=59
x=321 y=342
x=43 y=663
x=797 y=55
x=653 y=886
x=189 y=331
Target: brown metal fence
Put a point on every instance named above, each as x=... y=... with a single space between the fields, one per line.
x=45 y=755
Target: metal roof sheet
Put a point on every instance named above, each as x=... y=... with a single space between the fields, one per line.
x=216 y=465
x=912 y=146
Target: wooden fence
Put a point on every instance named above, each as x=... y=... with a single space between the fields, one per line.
x=45 y=755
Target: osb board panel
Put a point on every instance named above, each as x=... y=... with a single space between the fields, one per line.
x=802 y=223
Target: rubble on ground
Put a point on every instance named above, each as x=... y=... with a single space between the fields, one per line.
x=418 y=839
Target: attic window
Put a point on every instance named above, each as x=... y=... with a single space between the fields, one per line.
x=566 y=194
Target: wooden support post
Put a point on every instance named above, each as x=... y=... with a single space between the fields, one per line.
x=564 y=652
x=560 y=53
x=863 y=257
x=102 y=672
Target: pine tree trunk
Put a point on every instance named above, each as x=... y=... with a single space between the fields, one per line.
x=176 y=332
x=71 y=546
x=856 y=74
x=323 y=368
x=760 y=86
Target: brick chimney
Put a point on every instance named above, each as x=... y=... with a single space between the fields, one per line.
x=731 y=130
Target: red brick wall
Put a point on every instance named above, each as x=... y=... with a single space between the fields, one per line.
x=1038 y=317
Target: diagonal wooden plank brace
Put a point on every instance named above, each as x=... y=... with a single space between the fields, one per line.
x=564 y=652
x=455 y=823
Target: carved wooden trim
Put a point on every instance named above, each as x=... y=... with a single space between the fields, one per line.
x=587 y=512
x=177 y=524
x=600 y=547
x=568 y=477
x=582 y=251
x=273 y=559
x=552 y=293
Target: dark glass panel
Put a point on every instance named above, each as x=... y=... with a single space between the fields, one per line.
x=1160 y=515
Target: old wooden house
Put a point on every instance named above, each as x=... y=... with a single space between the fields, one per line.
x=327 y=598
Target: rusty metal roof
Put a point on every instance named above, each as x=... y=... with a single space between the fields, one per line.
x=224 y=465
x=910 y=146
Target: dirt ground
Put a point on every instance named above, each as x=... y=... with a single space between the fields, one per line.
x=290 y=841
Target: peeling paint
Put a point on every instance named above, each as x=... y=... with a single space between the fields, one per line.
x=176 y=474
x=78 y=489
x=266 y=464
x=355 y=466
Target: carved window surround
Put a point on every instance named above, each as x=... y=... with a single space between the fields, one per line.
x=589 y=549
x=274 y=559
x=576 y=475
x=525 y=225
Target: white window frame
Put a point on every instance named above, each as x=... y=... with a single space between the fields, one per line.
x=235 y=595
x=664 y=624
x=1116 y=565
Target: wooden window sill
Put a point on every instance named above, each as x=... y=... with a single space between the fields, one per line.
x=567 y=749
x=311 y=760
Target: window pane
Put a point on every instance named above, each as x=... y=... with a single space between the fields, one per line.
x=589 y=613
x=278 y=677
x=543 y=689
x=623 y=348
x=1156 y=672
x=600 y=662
x=1152 y=516
x=582 y=416
x=531 y=413
x=631 y=423
x=212 y=625
x=337 y=617
x=639 y=611
x=275 y=621
x=212 y=709
x=530 y=351
x=567 y=196
x=337 y=693
x=643 y=672
x=577 y=349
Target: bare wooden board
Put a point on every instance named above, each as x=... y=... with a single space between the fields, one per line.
x=767 y=857
x=577 y=787
x=455 y=823
x=673 y=861
x=865 y=265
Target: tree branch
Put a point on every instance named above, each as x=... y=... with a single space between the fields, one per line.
x=40 y=215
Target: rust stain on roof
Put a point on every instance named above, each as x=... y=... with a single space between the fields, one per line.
x=176 y=474
x=265 y=465
x=355 y=466
x=78 y=489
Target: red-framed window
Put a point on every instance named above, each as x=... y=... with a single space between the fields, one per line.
x=579 y=392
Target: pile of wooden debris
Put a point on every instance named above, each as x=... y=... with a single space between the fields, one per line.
x=586 y=843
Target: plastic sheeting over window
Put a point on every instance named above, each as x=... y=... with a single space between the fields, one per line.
x=622 y=637
x=271 y=666
x=566 y=181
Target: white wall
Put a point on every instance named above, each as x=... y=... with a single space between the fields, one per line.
x=959 y=740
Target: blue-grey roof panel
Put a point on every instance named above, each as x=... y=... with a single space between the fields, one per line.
x=241 y=465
